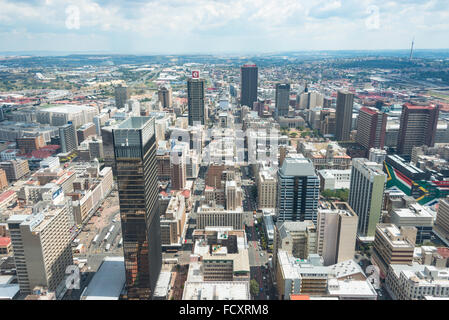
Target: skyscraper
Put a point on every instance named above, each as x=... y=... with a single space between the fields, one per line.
x=345 y=101
x=135 y=158
x=195 y=95
x=121 y=95
x=418 y=127
x=371 y=127
x=282 y=99
x=248 y=85
x=366 y=194
x=298 y=190
x=165 y=96
x=68 y=137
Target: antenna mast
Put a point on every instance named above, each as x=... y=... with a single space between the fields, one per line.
x=411 y=50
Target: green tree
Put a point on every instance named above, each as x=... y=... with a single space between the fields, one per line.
x=254 y=287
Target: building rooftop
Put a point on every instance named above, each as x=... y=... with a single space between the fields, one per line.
x=216 y=290
x=297 y=167
x=108 y=281
x=351 y=288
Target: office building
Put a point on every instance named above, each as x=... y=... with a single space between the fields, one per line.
x=165 y=96
x=333 y=179
x=248 y=85
x=178 y=162
x=298 y=238
x=298 y=190
x=15 y=169
x=121 y=96
x=371 y=127
x=343 y=115
x=219 y=217
x=417 y=282
x=266 y=188
x=68 y=138
x=442 y=220
x=85 y=131
x=3 y=180
x=42 y=248
x=393 y=246
x=300 y=276
x=415 y=215
x=282 y=100
x=28 y=144
x=418 y=127
x=196 y=101
x=366 y=195
x=135 y=158
x=337 y=230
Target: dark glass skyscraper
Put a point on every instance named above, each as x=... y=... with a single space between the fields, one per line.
x=418 y=127
x=195 y=95
x=282 y=99
x=248 y=85
x=135 y=157
x=343 y=115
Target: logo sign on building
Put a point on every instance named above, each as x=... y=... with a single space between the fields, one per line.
x=195 y=74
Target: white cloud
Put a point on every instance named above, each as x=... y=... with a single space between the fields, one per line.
x=268 y=24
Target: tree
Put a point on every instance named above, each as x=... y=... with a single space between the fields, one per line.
x=254 y=287
x=293 y=135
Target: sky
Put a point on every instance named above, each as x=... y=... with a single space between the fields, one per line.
x=221 y=26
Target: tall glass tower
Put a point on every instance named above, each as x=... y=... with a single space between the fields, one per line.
x=248 y=83
x=135 y=157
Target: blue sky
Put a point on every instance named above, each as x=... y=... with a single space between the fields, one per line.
x=221 y=26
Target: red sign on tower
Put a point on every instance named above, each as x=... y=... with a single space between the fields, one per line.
x=195 y=74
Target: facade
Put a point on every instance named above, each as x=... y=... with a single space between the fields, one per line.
x=28 y=144
x=366 y=194
x=135 y=157
x=282 y=100
x=298 y=190
x=42 y=248
x=196 y=101
x=68 y=138
x=3 y=180
x=371 y=127
x=343 y=115
x=337 y=231
x=219 y=217
x=248 y=85
x=442 y=220
x=121 y=96
x=418 y=127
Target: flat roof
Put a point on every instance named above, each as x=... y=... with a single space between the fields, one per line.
x=108 y=281
x=134 y=123
x=216 y=290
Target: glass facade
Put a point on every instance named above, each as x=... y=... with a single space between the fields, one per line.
x=139 y=208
